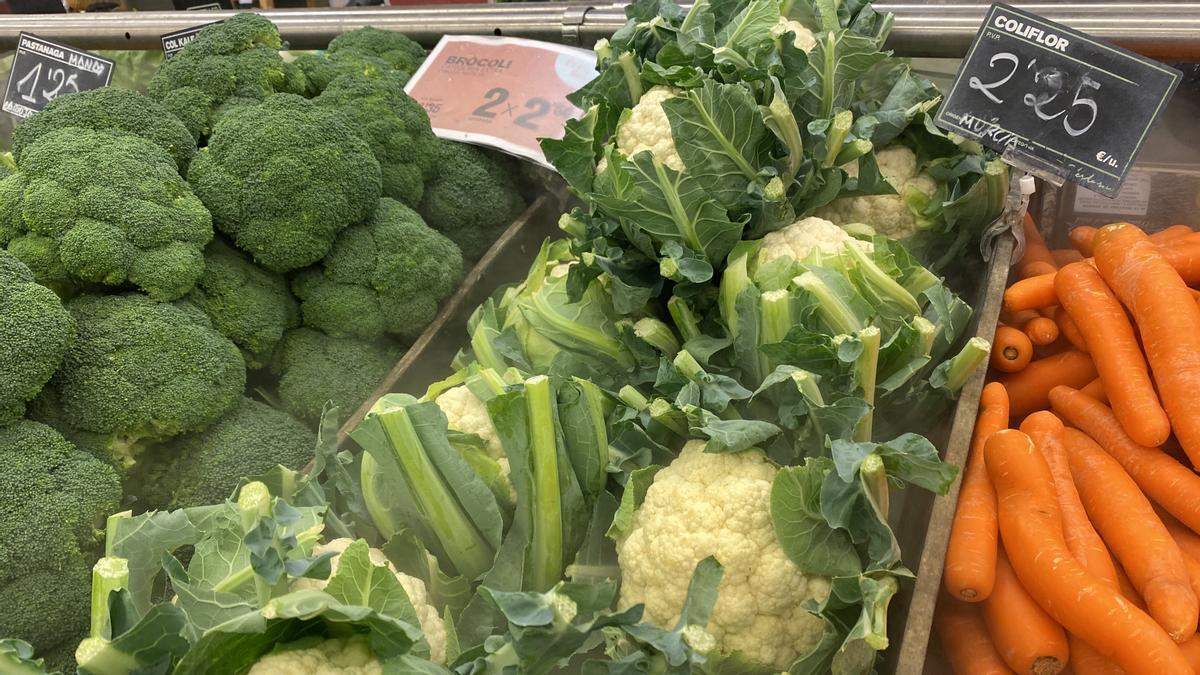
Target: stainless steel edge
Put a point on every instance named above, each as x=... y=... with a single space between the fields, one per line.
x=1163 y=30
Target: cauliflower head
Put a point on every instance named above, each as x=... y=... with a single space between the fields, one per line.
x=333 y=656
x=889 y=215
x=465 y=412
x=427 y=615
x=804 y=39
x=648 y=128
x=706 y=504
x=808 y=238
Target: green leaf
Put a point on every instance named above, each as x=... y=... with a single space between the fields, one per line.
x=834 y=66
x=16 y=658
x=574 y=155
x=718 y=134
x=142 y=540
x=361 y=582
x=633 y=496
x=152 y=645
x=913 y=459
x=800 y=526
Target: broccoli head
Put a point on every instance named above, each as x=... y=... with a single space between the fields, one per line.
x=472 y=197
x=114 y=110
x=247 y=304
x=320 y=69
x=238 y=57
x=284 y=177
x=53 y=498
x=141 y=371
x=386 y=275
x=35 y=330
x=205 y=468
x=396 y=49
x=315 y=369
x=114 y=205
x=393 y=124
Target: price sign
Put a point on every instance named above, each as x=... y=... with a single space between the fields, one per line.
x=502 y=92
x=42 y=70
x=173 y=43
x=1057 y=99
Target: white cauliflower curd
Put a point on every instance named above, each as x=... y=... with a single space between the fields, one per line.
x=804 y=39
x=648 y=128
x=706 y=504
x=809 y=238
x=427 y=615
x=333 y=656
x=887 y=214
x=466 y=413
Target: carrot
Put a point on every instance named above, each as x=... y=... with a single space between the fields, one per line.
x=1011 y=350
x=1085 y=660
x=1031 y=528
x=1128 y=591
x=1017 y=319
x=1184 y=257
x=1114 y=348
x=1036 y=251
x=1167 y=318
x=1083 y=239
x=1094 y=389
x=965 y=640
x=1065 y=256
x=1031 y=293
x=970 y=569
x=1029 y=390
x=1047 y=433
x=1170 y=484
x=1171 y=233
x=1042 y=331
x=1191 y=651
x=1026 y=637
x=1066 y=326
x=1137 y=537
x=1188 y=541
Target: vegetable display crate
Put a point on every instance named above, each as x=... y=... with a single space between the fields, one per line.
x=921 y=520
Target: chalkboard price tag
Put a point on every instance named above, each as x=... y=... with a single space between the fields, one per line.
x=505 y=93
x=174 y=42
x=1056 y=99
x=43 y=70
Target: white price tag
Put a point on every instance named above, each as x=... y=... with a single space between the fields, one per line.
x=1132 y=200
x=501 y=92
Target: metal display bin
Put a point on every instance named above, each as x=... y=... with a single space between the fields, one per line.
x=1168 y=31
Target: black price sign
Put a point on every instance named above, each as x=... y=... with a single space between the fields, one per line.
x=173 y=43
x=43 y=70
x=1057 y=99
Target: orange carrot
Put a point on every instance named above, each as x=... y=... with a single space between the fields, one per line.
x=1170 y=484
x=1017 y=319
x=1184 y=257
x=970 y=569
x=1171 y=233
x=1083 y=239
x=1086 y=660
x=1026 y=637
x=1095 y=389
x=1011 y=350
x=1031 y=528
x=1168 y=320
x=1114 y=349
x=1036 y=251
x=965 y=640
x=1065 y=256
x=1029 y=390
x=1066 y=326
x=1128 y=591
x=1137 y=537
x=1042 y=331
x=1047 y=433
x=1191 y=651
x=1031 y=293
x=1188 y=541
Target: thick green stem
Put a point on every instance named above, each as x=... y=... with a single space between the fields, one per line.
x=806 y=383
x=782 y=122
x=877 y=638
x=839 y=128
x=633 y=398
x=881 y=282
x=572 y=226
x=836 y=313
x=851 y=151
x=665 y=414
x=633 y=78
x=546 y=553
x=688 y=366
x=685 y=321
x=866 y=371
x=964 y=364
x=108 y=575
x=776 y=320
x=485 y=353
x=734 y=281
x=658 y=335
x=875 y=480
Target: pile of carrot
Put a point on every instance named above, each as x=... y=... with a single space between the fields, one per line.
x=1075 y=542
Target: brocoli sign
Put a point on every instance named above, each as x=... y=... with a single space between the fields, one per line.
x=42 y=70
x=1058 y=99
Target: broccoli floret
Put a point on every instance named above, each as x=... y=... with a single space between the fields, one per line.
x=246 y=303
x=396 y=49
x=320 y=69
x=40 y=255
x=116 y=207
x=394 y=124
x=53 y=497
x=238 y=57
x=141 y=371
x=205 y=468
x=283 y=178
x=114 y=110
x=315 y=369
x=35 y=330
x=386 y=275
x=472 y=197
